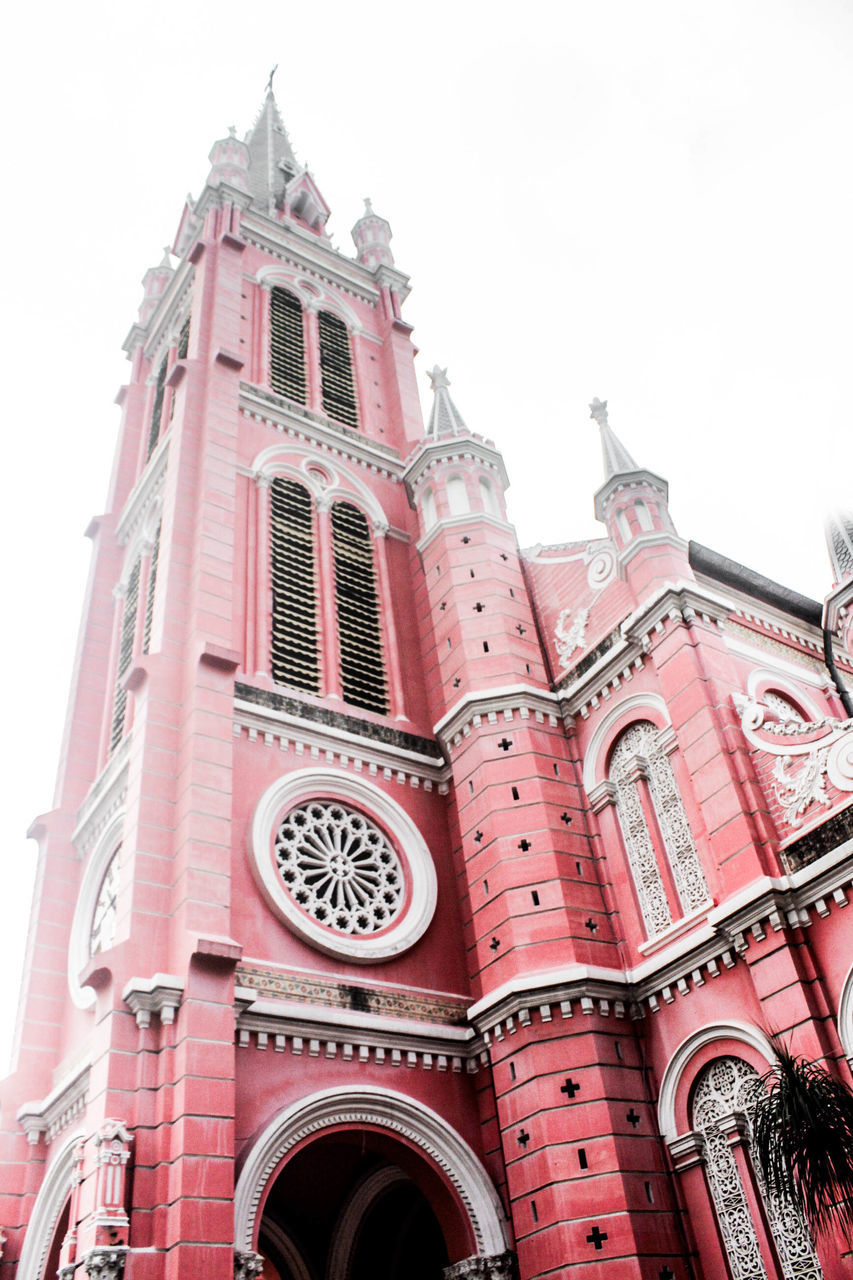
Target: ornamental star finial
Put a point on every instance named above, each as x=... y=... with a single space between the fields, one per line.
x=598 y=411
x=269 y=82
x=438 y=378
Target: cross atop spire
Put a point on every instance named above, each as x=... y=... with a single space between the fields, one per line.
x=617 y=459
x=445 y=418
x=272 y=162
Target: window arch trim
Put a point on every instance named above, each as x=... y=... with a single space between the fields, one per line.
x=637 y=706
x=688 y=1061
x=87 y=897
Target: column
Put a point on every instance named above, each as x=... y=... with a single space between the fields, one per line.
x=330 y=681
x=387 y=622
x=313 y=371
x=260 y=616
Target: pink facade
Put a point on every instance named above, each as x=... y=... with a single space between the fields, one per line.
x=412 y=904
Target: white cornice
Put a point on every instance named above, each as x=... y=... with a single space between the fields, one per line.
x=463 y=522
x=338 y=746
x=105 y=796
x=313 y=257
x=293 y=421
x=433 y=451
x=488 y=704
x=779 y=902
x=59 y=1109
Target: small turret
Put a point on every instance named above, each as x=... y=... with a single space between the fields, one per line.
x=229 y=159
x=372 y=236
x=155 y=282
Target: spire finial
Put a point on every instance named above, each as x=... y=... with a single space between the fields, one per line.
x=598 y=411
x=445 y=418
x=269 y=82
x=438 y=378
x=368 y=207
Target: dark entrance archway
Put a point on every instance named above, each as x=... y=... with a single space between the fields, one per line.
x=357 y=1206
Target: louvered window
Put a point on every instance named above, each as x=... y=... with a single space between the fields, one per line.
x=359 y=635
x=336 y=370
x=125 y=653
x=287 y=346
x=152 y=586
x=295 y=660
x=157 y=408
x=184 y=340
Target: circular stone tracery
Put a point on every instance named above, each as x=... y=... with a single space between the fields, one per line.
x=339 y=867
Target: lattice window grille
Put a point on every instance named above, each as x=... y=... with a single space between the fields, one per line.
x=640 y=740
x=728 y=1085
x=295 y=656
x=103 y=930
x=157 y=408
x=125 y=654
x=340 y=868
x=336 y=374
x=784 y=711
x=149 y=599
x=287 y=345
x=359 y=628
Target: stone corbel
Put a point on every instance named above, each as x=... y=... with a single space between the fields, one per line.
x=687 y=1151
x=103 y=1264
x=160 y=994
x=735 y=1126
x=497 y=1266
x=601 y=795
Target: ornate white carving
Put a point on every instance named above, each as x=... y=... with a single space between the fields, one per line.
x=247 y=1264
x=500 y=1266
x=639 y=752
x=339 y=868
x=827 y=752
x=726 y=1092
x=601 y=569
x=568 y=638
x=105 y=1263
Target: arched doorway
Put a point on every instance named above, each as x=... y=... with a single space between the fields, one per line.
x=351 y=1184
x=343 y=1209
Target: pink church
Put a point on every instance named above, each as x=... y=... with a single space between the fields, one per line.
x=413 y=905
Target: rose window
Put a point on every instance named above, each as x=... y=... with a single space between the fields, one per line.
x=339 y=868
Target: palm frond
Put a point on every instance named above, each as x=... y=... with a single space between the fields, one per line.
x=802 y=1126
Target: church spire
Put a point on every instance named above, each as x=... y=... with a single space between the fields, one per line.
x=839 y=541
x=445 y=418
x=617 y=459
x=272 y=162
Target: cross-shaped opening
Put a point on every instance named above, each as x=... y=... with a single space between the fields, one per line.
x=478 y=607
x=632 y=1118
x=666 y=1273
x=520 y=629
x=505 y=744
x=524 y=845
x=570 y=1088
x=494 y=944
x=597 y=1237
x=478 y=836
x=523 y=1139
x=567 y=818
x=591 y=925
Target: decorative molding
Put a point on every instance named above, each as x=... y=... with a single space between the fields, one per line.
x=49 y=1203
x=80 y=940
x=60 y=1108
x=646 y=705
x=106 y=796
x=319 y=261
x=433 y=452
x=501 y=1266
x=333 y=746
x=434 y=1008
x=315 y=783
x=104 y=1263
x=144 y=493
x=160 y=994
x=247 y=1264
x=743 y=1032
x=305 y=425
x=493 y=706
x=391 y=1112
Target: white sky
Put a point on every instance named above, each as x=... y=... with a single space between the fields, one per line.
x=647 y=202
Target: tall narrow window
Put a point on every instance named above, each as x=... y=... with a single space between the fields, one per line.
x=287 y=345
x=295 y=659
x=725 y=1086
x=184 y=340
x=125 y=654
x=336 y=370
x=637 y=755
x=359 y=635
x=157 y=407
x=152 y=587
x=457 y=496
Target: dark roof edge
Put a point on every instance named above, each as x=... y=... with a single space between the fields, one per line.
x=704 y=560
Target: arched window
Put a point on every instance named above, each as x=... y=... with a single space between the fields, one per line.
x=640 y=768
x=781 y=708
x=489 y=498
x=644 y=516
x=287 y=345
x=457 y=496
x=157 y=407
x=622 y=525
x=125 y=654
x=336 y=377
x=428 y=510
x=295 y=656
x=357 y=602
x=728 y=1086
